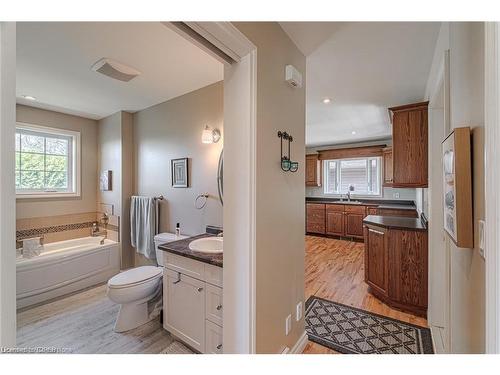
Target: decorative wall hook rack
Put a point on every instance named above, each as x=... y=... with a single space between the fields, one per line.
x=287 y=165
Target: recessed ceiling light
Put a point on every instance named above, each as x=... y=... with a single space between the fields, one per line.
x=29 y=97
x=353 y=132
x=326 y=100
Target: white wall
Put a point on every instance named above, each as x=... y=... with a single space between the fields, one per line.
x=172 y=130
x=465 y=41
x=279 y=207
x=26 y=208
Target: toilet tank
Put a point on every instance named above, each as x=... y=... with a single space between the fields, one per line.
x=162 y=238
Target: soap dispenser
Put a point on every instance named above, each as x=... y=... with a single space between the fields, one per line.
x=178 y=229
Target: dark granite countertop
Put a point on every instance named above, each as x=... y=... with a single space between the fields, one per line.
x=181 y=248
x=395 y=222
x=379 y=203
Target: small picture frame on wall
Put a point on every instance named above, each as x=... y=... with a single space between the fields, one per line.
x=457 y=187
x=105 y=180
x=180 y=173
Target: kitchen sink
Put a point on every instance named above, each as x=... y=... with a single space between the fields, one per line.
x=209 y=245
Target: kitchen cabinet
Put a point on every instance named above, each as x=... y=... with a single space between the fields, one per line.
x=353 y=221
x=192 y=302
x=396 y=266
x=376 y=273
x=396 y=212
x=409 y=145
x=335 y=219
x=313 y=170
x=315 y=218
x=387 y=162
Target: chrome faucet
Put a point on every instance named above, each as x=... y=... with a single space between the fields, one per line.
x=96 y=232
x=348 y=195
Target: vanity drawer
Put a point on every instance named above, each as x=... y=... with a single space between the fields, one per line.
x=213 y=274
x=213 y=338
x=185 y=265
x=213 y=304
x=355 y=209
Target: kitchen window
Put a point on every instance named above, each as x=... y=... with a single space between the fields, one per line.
x=365 y=174
x=47 y=162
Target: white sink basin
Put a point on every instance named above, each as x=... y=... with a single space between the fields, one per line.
x=211 y=245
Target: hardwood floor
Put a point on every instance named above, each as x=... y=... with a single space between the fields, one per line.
x=334 y=270
x=83 y=323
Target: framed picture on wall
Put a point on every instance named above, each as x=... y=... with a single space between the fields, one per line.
x=457 y=187
x=180 y=173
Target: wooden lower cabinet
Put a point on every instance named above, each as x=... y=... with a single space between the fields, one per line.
x=396 y=212
x=315 y=218
x=396 y=267
x=335 y=219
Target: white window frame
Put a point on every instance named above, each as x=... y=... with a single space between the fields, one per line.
x=341 y=194
x=75 y=168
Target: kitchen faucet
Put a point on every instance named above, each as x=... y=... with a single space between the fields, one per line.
x=351 y=188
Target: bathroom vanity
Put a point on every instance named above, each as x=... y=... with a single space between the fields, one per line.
x=192 y=295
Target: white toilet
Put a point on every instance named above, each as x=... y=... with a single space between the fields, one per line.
x=138 y=288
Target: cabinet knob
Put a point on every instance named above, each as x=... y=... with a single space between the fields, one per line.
x=219 y=307
x=219 y=347
x=200 y=289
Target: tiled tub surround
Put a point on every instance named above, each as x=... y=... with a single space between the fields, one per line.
x=64 y=227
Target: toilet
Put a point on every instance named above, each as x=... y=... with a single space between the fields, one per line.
x=137 y=289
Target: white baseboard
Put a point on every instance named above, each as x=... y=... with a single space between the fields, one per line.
x=299 y=345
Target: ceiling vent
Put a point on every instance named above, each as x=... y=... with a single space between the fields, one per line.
x=115 y=70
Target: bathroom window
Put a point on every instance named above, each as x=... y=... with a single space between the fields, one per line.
x=365 y=174
x=47 y=162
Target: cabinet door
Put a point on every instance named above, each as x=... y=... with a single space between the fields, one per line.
x=335 y=223
x=409 y=268
x=315 y=218
x=409 y=149
x=376 y=273
x=396 y=212
x=312 y=171
x=353 y=224
x=213 y=309
x=213 y=337
x=184 y=308
x=387 y=157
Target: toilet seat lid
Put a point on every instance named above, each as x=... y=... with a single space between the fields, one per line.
x=135 y=276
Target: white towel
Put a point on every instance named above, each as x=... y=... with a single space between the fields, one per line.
x=31 y=247
x=143 y=225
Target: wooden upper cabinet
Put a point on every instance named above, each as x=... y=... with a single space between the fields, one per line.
x=409 y=145
x=387 y=159
x=313 y=170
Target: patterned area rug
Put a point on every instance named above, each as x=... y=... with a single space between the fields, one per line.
x=349 y=330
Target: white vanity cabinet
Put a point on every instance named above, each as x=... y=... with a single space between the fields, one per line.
x=192 y=302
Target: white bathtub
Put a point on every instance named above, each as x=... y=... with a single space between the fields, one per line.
x=65 y=267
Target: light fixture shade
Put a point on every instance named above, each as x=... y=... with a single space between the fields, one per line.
x=207 y=136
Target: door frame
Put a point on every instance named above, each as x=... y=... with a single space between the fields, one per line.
x=7 y=189
x=239 y=216
x=492 y=181
x=442 y=87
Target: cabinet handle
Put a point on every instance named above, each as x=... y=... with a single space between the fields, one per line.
x=178 y=278
x=200 y=289
x=219 y=307
x=376 y=231
x=219 y=346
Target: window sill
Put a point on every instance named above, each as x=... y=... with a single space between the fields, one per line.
x=47 y=195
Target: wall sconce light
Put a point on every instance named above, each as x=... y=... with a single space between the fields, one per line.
x=287 y=165
x=210 y=135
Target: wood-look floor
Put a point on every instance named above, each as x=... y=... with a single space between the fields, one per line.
x=83 y=323
x=334 y=270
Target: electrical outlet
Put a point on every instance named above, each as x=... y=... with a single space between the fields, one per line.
x=396 y=195
x=298 y=311
x=288 y=324
x=481 y=238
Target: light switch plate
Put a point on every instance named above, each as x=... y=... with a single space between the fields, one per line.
x=298 y=312
x=288 y=324
x=481 y=229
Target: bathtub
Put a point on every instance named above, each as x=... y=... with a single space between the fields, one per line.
x=65 y=267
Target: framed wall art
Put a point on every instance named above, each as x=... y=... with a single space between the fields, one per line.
x=180 y=173
x=457 y=187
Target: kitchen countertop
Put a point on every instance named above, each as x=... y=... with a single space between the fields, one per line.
x=389 y=204
x=395 y=222
x=181 y=248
